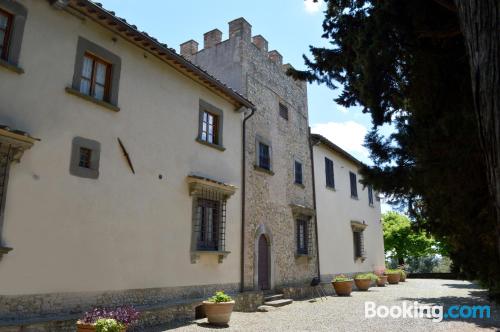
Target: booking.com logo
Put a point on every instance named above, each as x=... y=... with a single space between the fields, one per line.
x=435 y=312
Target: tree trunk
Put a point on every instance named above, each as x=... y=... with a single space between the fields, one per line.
x=480 y=24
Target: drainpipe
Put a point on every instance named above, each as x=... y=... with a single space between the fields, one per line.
x=243 y=200
x=311 y=145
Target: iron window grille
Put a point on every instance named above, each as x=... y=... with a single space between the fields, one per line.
x=304 y=236
x=370 y=195
x=283 y=111
x=298 y=173
x=210 y=221
x=85 y=158
x=264 y=156
x=359 y=250
x=330 y=178
x=354 y=186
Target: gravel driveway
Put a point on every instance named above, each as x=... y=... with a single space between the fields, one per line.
x=347 y=313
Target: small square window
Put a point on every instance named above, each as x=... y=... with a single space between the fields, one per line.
x=283 y=111
x=85 y=157
x=298 y=173
x=264 y=156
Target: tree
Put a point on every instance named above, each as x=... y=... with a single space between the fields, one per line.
x=403 y=241
x=406 y=64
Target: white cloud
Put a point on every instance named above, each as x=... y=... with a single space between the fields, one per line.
x=313 y=7
x=348 y=135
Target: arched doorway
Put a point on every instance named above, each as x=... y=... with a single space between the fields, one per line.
x=263 y=263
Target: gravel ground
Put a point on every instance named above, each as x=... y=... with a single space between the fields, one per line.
x=347 y=313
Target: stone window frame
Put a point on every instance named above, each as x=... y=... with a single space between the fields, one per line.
x=260 y=139
x=83 y=172
x=358 y=228
x=19 y=15
x=207 y=107
x=85 y=46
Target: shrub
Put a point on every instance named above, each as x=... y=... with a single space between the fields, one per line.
x=369 y=275
x=393 y=271
x=340 y=278
x=220 y=297
x=108 y=325
x=124 y=315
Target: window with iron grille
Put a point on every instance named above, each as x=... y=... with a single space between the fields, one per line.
x=330 y=179
x=264 y=156
x=209 y=129
x=354 y=185
x=283 y=111
x=95 y=78
x=210 y=221
x=85 y=157
x=5 y=32
x=302 y=237
x=358 y=244
x=298 y=173
x=370 y=195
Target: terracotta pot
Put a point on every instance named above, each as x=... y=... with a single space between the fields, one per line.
x=363 y=284
x=343 y=288
x=381 y=281
x=393 y=278
x=218 y=313
x=82 y=327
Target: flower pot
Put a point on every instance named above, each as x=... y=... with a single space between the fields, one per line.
x=381 y=281
x=363 y=284
x=83 y=327
x=393 y=278
x=218 y=313
x=403 y=277
x=343 y=288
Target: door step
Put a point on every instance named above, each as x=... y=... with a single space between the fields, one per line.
x=273 y=297
x=278 y=303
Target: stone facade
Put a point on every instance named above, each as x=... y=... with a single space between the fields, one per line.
x=260 y=76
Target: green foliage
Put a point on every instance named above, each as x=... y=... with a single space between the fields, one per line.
x=402 y=242
x=220 y=297
x=108 y=325
x=369 y=275
x=393 y=271
x=341 y=278
x=404 y=63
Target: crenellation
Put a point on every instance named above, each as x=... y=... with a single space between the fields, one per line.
x=212 y=38
x=260 y=42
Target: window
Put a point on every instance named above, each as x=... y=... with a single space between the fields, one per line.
x=302 y=237
x=5 y=28
x=209 y=224
x=298 y=173
x=96 y=74
x=358 y=244
x=210 y=126
x=283 y=111
x=95 y=79
x=264 y=156
x=370 y=195
x=12 y=21
x=354 y=186
x=85 y=157
x=330 y=179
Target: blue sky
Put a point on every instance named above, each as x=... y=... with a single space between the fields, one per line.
x=290 y=26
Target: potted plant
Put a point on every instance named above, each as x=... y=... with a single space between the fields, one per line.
x=218 y=308
x=393 y=276
x=342 y=285
x=108 y=320
x=404 y=274
x=363 y=281
x=381 y=280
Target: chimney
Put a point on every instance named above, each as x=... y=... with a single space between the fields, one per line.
x=276 y=57
x=189 y=48
x=212 y=38
x=240 y=28
x=260 y=42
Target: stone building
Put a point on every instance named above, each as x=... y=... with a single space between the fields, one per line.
x=279 y=227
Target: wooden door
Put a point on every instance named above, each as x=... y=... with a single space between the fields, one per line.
x=263 y=264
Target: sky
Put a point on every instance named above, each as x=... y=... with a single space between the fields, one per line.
x=290 y=26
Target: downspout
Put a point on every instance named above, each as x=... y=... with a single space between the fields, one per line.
x=243 y=200
x=314 y=200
